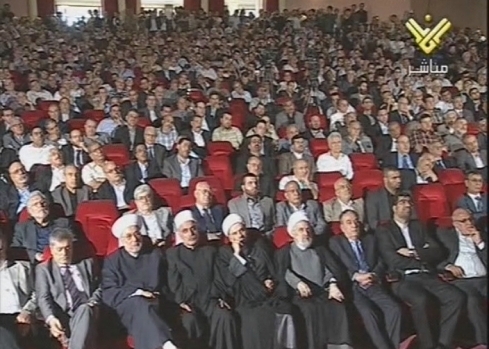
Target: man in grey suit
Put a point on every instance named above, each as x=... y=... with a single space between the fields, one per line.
x=472 y=158
x=17 y=294
x=297 y=152
x=17 y=137
x=342 y=202
x=258 y=212
x=181 y=166
x=293 y=203
x=156 y=152
x=454 y=141
x=474 y=200
x=68 y=293
x=72 y=192
x=290 y=116
x=356 y=141
x=33 y=235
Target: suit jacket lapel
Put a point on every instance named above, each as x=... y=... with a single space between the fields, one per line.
x=58 y=280
x=65 y=198
x=18 y=277
x=346 y=246
x=336 y=207
x=31 y=235
x=243 y=207
x=85 y=277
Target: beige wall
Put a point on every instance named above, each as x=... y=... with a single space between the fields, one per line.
x=19 y=7
x=381 y=8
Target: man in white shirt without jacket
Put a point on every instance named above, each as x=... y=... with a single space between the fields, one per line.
x=93 y=173
x=334 y=160
x=467 y=261
x=36 y=152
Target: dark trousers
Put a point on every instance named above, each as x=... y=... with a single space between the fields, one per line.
x=415 y=290
x=476 y=291
x=9 y=335
x=381 y=315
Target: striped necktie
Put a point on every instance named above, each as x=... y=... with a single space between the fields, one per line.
x=77 y=297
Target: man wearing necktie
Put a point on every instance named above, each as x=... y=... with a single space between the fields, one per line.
x=474 y=200
x=208 y=216
x=360 y=257
x=68 y=293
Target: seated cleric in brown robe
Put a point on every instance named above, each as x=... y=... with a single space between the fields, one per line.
x=193 y=281
x=314 y=280
x=132 y=285
x=248 y=273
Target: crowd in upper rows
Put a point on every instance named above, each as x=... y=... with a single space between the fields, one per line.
x=266 y=106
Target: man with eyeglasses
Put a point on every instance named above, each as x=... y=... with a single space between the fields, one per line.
x=209 y=216
x=408 y=249
x=116 y=188
x=108 y=125
x=466 y=259
x=37 y=152
x=17 y=136
x=156 y=152
x=93 y=173
x=474 y=200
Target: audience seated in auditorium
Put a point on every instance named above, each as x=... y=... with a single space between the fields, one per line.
x=206 y=213
x=343 y=201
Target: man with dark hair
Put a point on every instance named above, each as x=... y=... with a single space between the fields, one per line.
x=297 y=151
x=407 y=248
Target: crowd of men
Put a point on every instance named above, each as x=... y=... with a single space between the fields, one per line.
x=209 y=275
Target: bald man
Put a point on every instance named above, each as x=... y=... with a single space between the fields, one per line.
x=403 y=158
x=466 y=259
x=207 y=214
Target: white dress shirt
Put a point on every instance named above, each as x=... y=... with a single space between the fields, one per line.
x=9 y=298
x=152 y=115
x=475 y=199
x=199 y=139
x=394 y=145
x=405 y=233
x=30 y=155
x=153 y=229
x=186 y=175
x=347 y=206
x=468 y=259
x=58 y=177
x=119 y=194
x=92 y=172
x=327 y=163
x=144 y=172
x=477 y=159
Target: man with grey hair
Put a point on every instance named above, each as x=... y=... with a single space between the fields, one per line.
x=334 y=160
x=17 y=297
x=133 y=285
x=72 y=192
x=68 y=293
x=33 y=234
x=313 y=280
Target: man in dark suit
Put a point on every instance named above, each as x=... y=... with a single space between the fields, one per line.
x=472 y=158
x=181 y=166
x=267 y=183
x=407 y=249
x=257 y=211
x=441 y=163
x=141 y=170
x=68 y=293
x=297 y=151
x=129 y=134
x=156 y=152
x=293 y=203
x=116 y=188
x=33 y=235
x=214 y=111
x=151 y=112
x=360 y=256
x=132 y=103
x=467 y=261
x=48 y=177
x=386 y=144
x=402 y=159
x=208 y=216
x=72 y=192
x=7 y=157
x=252 y=146
x=75 y=152
x=199 y=137
x=402 y=115
x=474 y=200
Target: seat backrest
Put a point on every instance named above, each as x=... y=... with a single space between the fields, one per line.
x=431 y=201
x=327 y=179
x=117 y=153
x=220 y=167
x=365 y=161
x=366 y=180
x=451 y=176
x=220 y=148
x=169 y=190
x=318 y=146
x=96 y=115
x=281 y=237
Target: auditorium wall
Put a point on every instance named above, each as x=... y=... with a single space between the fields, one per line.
x=19 y=7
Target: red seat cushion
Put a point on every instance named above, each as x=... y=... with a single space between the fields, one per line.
x=366 y=180
x=430 y=201
x=220 y=167
x=451 y=176
x=281 y=237
x=318 y=146
x=365 y=161
x=117 y=153
x=220 y=148
x=169 y=190
x=96 y=115
x=33 y=118
x=327 y=179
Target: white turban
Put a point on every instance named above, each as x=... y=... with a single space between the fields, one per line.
x=181 y=218
x=229 y=221
x=296 y=217
x=126 y=221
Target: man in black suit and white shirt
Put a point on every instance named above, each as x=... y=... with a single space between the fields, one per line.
x=407 y=248
x=199 y=137
x=129 y=134
x=208 y=216
x=68 y=293
x=72 y=192
x=472 y=158
x=403 y=158
x=467 y=261
x=151 y=111
x=116 y=188
x=141 y=170
x=156 y=152
x=75 y=152
x=474 y=200
x=360 y=256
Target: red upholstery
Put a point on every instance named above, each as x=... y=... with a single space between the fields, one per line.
x=366 y=180
x=451 y=176
x=327 y=179
x=44 y=105
x=96 y=219
x=318 y=146
x=169 y=190
x=326 y=193
x=144 y=122
x=430 y=201
x=366 y=161
x=238 y=106
x=220 y=167
x=117 y=153
x=473 y=129
x=239 y=119
x=220 y=148
x=96 y=115
x=335 y=228
x=216 y=185
x=454 y=192
x=33 y=118
x=76 y=124
x=197 y=96
x=312 y=110
x=281 y=237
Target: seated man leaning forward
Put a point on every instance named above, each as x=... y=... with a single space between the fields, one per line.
x=132 y=285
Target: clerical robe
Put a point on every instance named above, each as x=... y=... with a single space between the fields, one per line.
x=122 y=276
x=322 y=321
x=191 y=279
x=265 y=319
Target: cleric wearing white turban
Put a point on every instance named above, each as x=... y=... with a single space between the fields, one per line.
x=179 y=221
x=294 y=219
x=127 y=223
x=232 y=220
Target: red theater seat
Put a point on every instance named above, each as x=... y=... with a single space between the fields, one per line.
x=117 y=153
x=430 y=201
x=96 y=219
x=318 y=146
x=327 y=179
x=169 y=190
x=97 y=115
x=366 y=180
x=365 y=161
x=144 y=122
x=220 y=167
x=76 y=124
x=33 y=118
x=281 y=237
x=44 y=105
x=220 y=148
x=451 y=176
x=454 y=192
